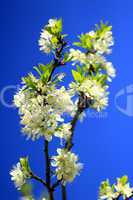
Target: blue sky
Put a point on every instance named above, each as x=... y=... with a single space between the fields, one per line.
x=104 y=144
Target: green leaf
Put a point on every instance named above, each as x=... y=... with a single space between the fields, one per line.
x=42 y=67
x=38 y=71
x=79 y=69
x=78 y=44
x=25 y=166
x=45 y=76
x=102 y=78
x=77 y=76
x=66 y=57
x=57 y=28
x=29 y=82
x=124 y=179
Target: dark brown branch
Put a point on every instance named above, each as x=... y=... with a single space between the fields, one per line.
x=57 y=58
x=83 y=103
x=56 y=184
x=48 y=170
x=47 y=162
x=69 y=143
x=64 y=192
x=37 y=178
x=56 y=63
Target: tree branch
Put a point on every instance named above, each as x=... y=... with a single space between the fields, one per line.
x=37 y=178
x=83 y=103
x=81 y=106
x=56 y=184
x=55 y=64
x=48 y=170
x=57 y=58
x=64 y=192
x=47 y=162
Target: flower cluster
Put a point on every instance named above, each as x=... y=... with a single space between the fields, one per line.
x=77 y=56
x=64 y=131
x=20 y=173
x=67 y=166
x=99 y=40
x=93 y=59
x=111 y=192
x=50 y=35
x=18 y=176
x=43 y=102
x=42 y=108
x=95 y=92
x=93 y=70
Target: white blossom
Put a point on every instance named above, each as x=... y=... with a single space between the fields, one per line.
x=41 y=114
x=111 y=71
x=18 y=176
x=124 y=189
x=61 y=99
x=110 y=195
x=91 y=33
x=45 y=41
x=107 y=191
x=103 y=43
x=92 y=89
x=67 y=166
x=101 y=103
x=77 y=56
x=52 y=22
x=64 y=131
x=96 y=92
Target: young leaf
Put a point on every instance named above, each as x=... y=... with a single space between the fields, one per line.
x=77 y=76
x=37 y=70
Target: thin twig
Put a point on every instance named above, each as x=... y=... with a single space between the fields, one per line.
x=56 y=63
x=57 y=58
x=48 y=171
x=47 y=161
x=56 y=184
x=33 y=176
x=64 y=192
x=81 y=106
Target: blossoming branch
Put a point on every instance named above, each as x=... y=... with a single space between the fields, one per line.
x=43 y=103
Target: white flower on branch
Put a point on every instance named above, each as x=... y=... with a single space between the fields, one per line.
x=61 y=99
x=96 y=92
x=41 y=114
x=49 y=37
x=64 y=131
x=103 y=44
x=123 y=188
x=17 y=176
x=77 y=56
x=67 y=166
x=107 y=191
x=116 y=191
x=52 y=23
x=111 y=71
x=45 y=41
